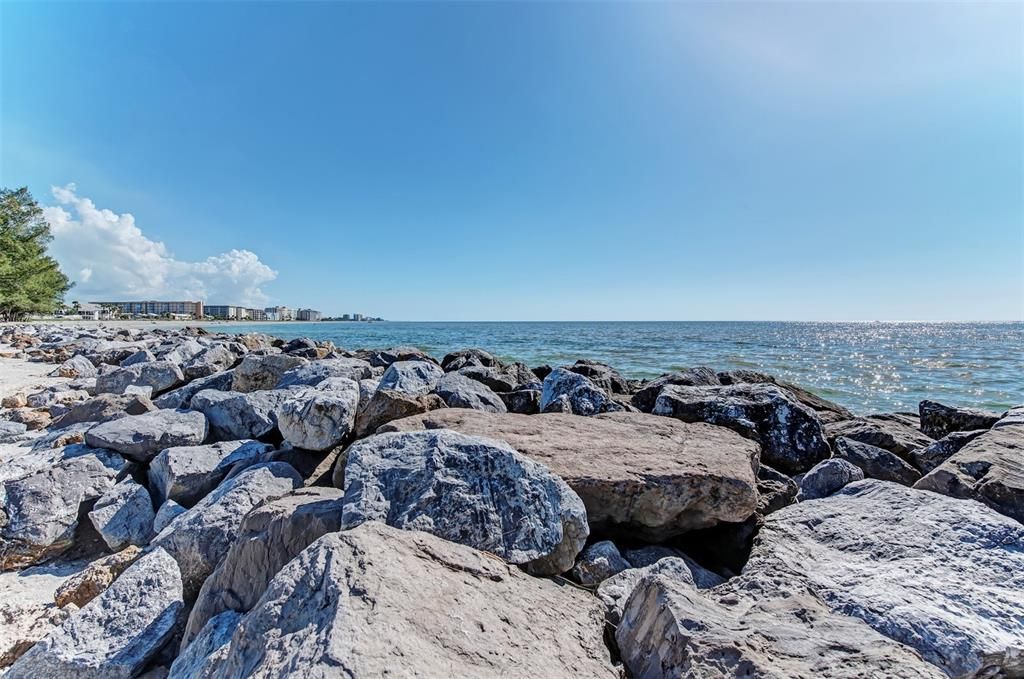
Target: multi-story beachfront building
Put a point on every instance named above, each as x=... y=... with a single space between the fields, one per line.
x=227 y=312
x=308 y=315
x=257 y=314
x=279 y=313
x=156 y=308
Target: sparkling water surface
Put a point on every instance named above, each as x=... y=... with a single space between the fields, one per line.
x=868 y=367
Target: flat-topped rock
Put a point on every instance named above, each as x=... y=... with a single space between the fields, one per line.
x=234 y=415
x=105 y=407
x=160 y=375
x=256 y=373
x=186 y=474
x=638 y=474
x=141 y=437
x=411 y=377
x=937 y=419
x=887 y=433
x=875 y=462
x=315 y=372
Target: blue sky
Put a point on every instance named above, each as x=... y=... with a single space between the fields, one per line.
x=529 y=161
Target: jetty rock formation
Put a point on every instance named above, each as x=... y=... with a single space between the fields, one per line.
x=176 y=502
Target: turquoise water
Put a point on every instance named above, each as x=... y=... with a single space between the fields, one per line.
x=868 y=367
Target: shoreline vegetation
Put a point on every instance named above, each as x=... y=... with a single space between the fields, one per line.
x=178 y=501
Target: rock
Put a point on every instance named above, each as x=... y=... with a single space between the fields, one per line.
x=450 y=611
x=17 y=400
x=475 y=491
x=141 y=437
x=465 y=358
x=12 y=431
x=598 y=562
x=199 y=538
x=639 y=475
x=33 y=420
x=186 y=474
x=104 y=408
x=75 y=367
x=386 y=405
x=928 y=458
x=875 y=462
x=937 y=419
x=524 y=402
x=320 y=419
x=511 y=377
x=210 y=361
x=39 y=512
x=182 y=396
x=789 y=432
x=775 y=490
x=648 y=556
x=671 y=629
x=887 y=434
x=140 y=356
x=458 y=391
x=160 y=375
x=582 y=396
x=260 y=373
x=124 y=515
x=269 y=537
x=234 y=415
x=989 y=469
x=614 y=592
x=313 y=373
x=940 y=575
x=168 y=511
x=691 y=377
x=87 y=584
x=601 y=374
x=115 y=635
x=1012 y=417
x=827 y=410
x=827 y=477
x=208 y=650
x=411 y=377
x=382 y=358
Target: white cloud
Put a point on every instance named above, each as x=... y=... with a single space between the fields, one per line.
x=114 y=260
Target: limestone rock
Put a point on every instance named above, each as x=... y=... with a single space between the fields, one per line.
x=160 y=375
x=187 y=473
x=386 y=405
x=639 y=475
x=582 y=396
x=827 y=477
x=124 y=515
x=259 y=373
x=876 y=463
x=937 y=419
x=411 y=377
x=615 y=591
x=210 y=361
x=646 y=396
x=598 y=562
x=234 y=415
x=313 y=373
x=75 y=367
x=320 y=419
x=931 y=456
x=168 y=511
x=458 y=391
x=475 y=491
x=89 y=583
x=182 y=396
x=141 y=437
x=208 y=650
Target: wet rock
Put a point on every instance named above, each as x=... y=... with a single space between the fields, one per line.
x=124 y=515
x=89 y=583
x=316 y=372
x=598 y=562
x=141 y=437
x=234 y=415
x=320 y=419
x=458 y=391
x=411 y=377
x=182 y=396
x=160 y=375
x=827 y=477
x=386 y=405
x=888 y=434
x=937 y=419
x=186 y=474
x=931 y=456
x=582 y=396
x=789 y=432
x=259 y=373
x=104 y=408
x=875 y=462
x=645 y=398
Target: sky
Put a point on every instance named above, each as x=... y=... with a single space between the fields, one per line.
x=528 y=161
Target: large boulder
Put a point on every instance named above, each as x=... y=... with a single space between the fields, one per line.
x=311 y=374
x=105 y=407
x=468 y=357
x=320 y=419
x=207 y=651
x=411 y=377
x=185 y=474
x=645 y=397
x=827 y=410
x=789 y=432
x=989 y=469
x=875 y=462
x=638 y=475
x=182 y=396
x=386 y=405
x=259 y=373
x=199 y=538
x=269 y=537
x=39 y=512
x=363 y=602
x=234 y=415
x=159 y=375
x=827 y=477
x=210 y=361
x=512 y=377
x=458 y=391
x=887 y=433
x=476 y=491
x=931 y=456
x=598 y=562
x=937 y=419
x=601 y=374
x=141 y=437
x=568 y=392
x=116 y=634
x=382 y=358
x=124 y=515
x=76 y=367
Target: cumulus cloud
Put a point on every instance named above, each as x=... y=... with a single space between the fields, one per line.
x=110 y=259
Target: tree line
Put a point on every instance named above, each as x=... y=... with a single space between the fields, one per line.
x=31 y=281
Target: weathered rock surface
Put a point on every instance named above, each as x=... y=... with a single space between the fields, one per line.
x=208 y=650
x=141 y=437
x=105 y=407
x=887 y=434
x=115 y=635
x=76 y=366
x=92 y=581
x=640 y=475
x=411 y=377
x=182 y=396
x=937 y=419
x=160 y=375
x=598 y=562
x=931 y=456
x=512 y=377
x=601 y=374
x=468 y=357
x=199 y=538
x=458 y=391
x=989 y=469
x=450 y=611
x=775 y=490
x=259 y=373
x=789 y=432
x=320 y=419
x=876 y=463
x=315 y=372
x=827 y=410
x=382 y=358
x=569 y=392
x=124 y=515
x=210 y=361
x=476 y=491
x=187 y=473
x=386 y=405
x=269 y=537
x=168 y=511
x=615 y=591
x=234 y=415
x=11 y=431
x=645 y=397
x=827 y=477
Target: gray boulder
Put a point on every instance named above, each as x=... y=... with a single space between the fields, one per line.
x=210 y=361
x=512 y=377
x=411 y=377
x=827 y=477
x=116 y=634
x=937 y=419
x=386 y=405
x=775 y=490
x=523 y=402
x=140 y=356
x=182 y=396
x=646 y=396
x=563 y=388
x=458 y=391
x=234 y=415
x=160 y=375
x=186 y=474
x=931 y=456
x=468 y=357
x=203 y=656
x=887 y=433
x=315 y=372
x=449 y=611
x=180 y=351
x=598 y=562
x=12 y=431
x=614 y=592
x=76 y=367
x=789 y=432
x=875 y=462
x=199 y=538
x=269 y=537
x=105 y=407
x=826 y=410
x=601 y=374
x=124 y=516
x=320 y=419
x=642 y=557
x=475 y=491
x=168 y=511
x=141 y=437
x=259 y=373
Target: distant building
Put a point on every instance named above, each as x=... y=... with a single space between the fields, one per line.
x=308 y=315
x=155 y=308
x=257 y=314
x=270 y=314
x=227 y=312
x=279 y=313
x=357 y=317
x=346 y=317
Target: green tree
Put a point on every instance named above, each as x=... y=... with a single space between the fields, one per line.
x=31 y=281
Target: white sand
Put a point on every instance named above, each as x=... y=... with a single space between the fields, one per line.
x=20 y=375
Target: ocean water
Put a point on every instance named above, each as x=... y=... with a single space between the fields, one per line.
x=868 y=367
